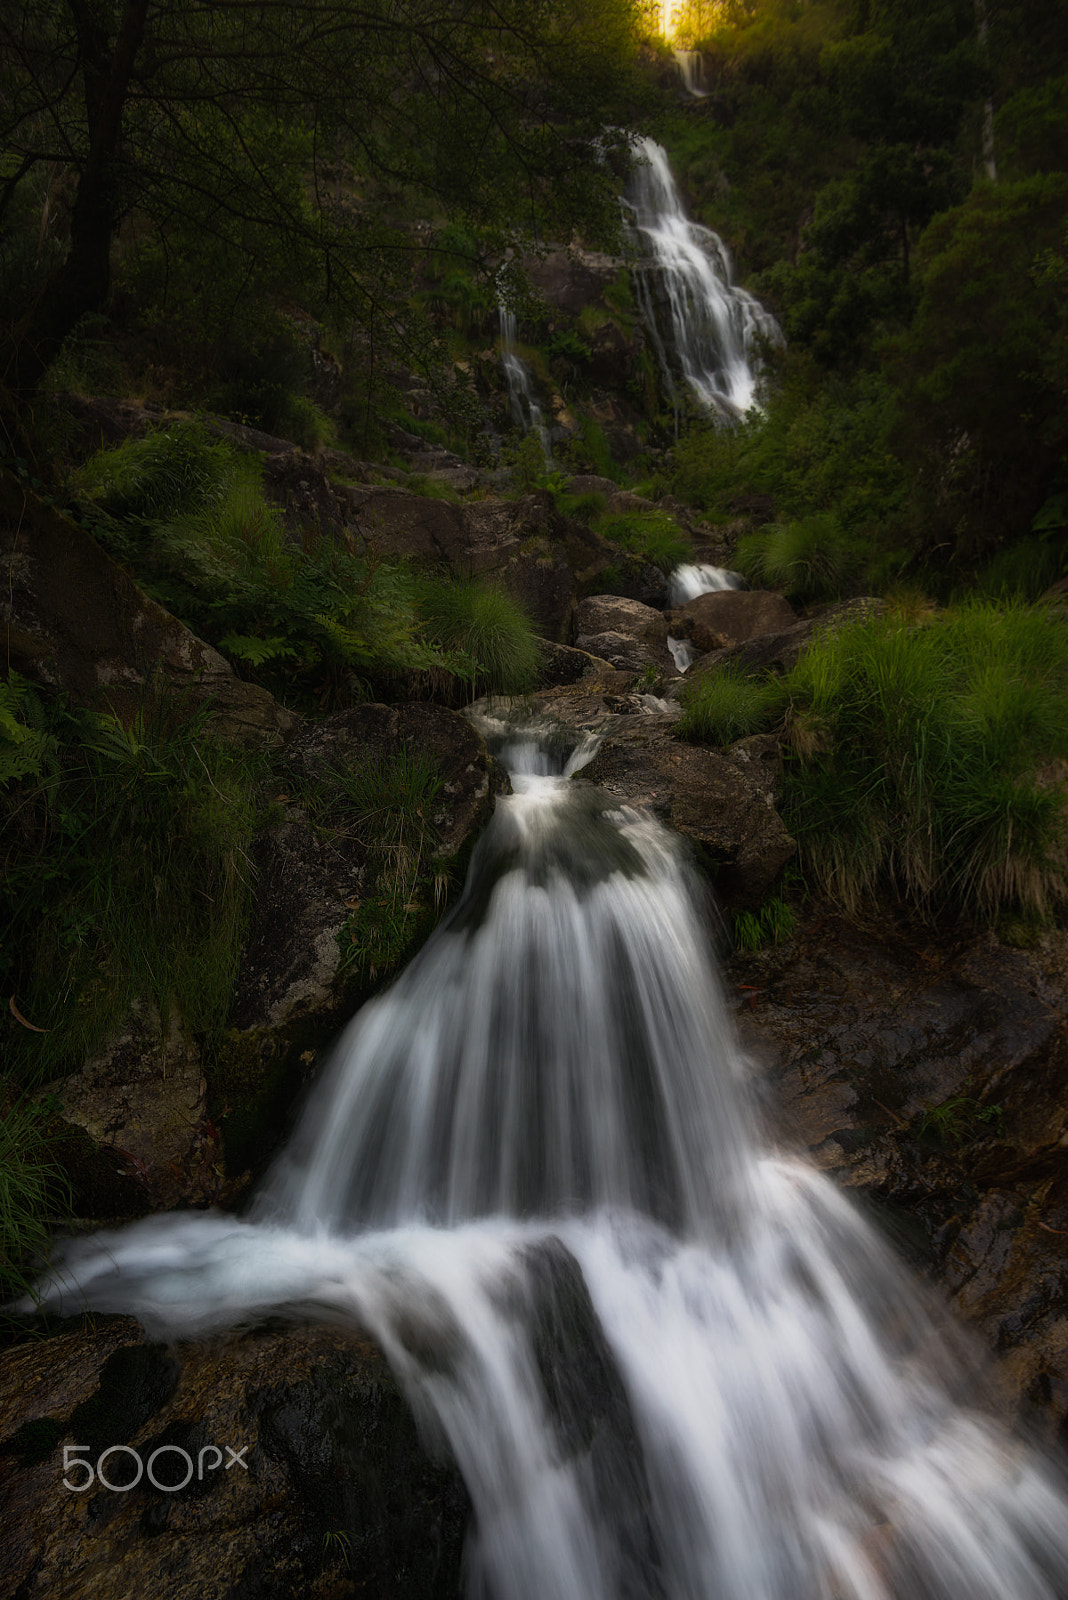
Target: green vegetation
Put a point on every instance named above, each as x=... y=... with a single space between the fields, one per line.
x=920 y=761
x=485 y=631
x=772 y=924
x=125 y=876
x=388 y=807
x=31 y=1188
x=653 y=535
x=808 y=560
x=959 y=1120
x=719 y=707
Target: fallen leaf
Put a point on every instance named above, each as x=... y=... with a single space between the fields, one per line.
x=17 y=1014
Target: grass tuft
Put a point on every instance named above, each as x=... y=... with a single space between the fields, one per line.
x=485 y=629
x=722 y=706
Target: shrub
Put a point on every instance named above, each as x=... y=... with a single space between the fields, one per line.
x=486 y=632
x=918 y=757
x=722 y=706
x=774 y=923
x=653 y=535
x=810 y=559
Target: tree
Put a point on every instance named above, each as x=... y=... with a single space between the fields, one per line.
x=264 y=120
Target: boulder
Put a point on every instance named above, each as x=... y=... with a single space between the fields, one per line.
x=730 y=617
x=331 y=1493
x=630 y=635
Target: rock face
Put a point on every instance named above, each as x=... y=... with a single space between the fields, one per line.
x=928 y=1073
x=74 y=620
x=301 y=975
x=332 y=1493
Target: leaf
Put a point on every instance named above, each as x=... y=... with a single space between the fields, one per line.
x=254 y=650
x=17 y=1014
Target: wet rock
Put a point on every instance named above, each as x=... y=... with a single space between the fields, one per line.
x=625 y=632
x=328 y=1492
x=141 y=1102
x=779 y=650
x=928 y=1072
x=301 y=975
x=712 y=799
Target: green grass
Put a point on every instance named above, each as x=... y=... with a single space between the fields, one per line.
x=773 y=924
x=30 y=1187
x=125 y=879
x=388 y=807
x=653 y=535
x=921 y=759
x=485 y=631
x=722 y=706
x=811 y=559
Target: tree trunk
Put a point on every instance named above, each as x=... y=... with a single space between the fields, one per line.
x=81 y=284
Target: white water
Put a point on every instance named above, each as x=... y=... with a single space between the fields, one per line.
x=691 y=71
x=704 y=327
x=526 y=412
x=671 y=1365
x=691 y=579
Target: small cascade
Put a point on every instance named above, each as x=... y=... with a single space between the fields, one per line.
x=691 y=70
x=707 y=332
x=671 y=1364
x=691 y=579
x=526 y=412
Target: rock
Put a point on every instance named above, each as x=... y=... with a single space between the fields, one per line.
x=730 y=616
x=711 y=798
x=142 y=1102
x=332 y=1494
x=75 y=620
x=928 y=1072
x=780 y=650
x=303 y=971
x=630 y=635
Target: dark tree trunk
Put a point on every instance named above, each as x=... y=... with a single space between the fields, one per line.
x=81 y=284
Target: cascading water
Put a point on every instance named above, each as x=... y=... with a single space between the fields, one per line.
x=691 y=71
x=671 y=1365
x=526 y=412
x=705 y=329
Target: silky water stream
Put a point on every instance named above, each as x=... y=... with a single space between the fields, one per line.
x=671 y=1363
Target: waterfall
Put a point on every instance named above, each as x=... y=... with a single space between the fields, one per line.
x=691 y=71
x=526 y=412
x=693 y=578
x=706 y=330
x=671 y=1364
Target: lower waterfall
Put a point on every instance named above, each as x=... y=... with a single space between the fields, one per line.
x=671 y=1363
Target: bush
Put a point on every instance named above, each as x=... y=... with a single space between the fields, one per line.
x=722 y=706
x=918 y=761
x=653 y=535
x=314 y=619
x=808 y=560
x=30 y=1184
x=485 y=632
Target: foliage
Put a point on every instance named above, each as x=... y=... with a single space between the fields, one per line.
x=772 y=924
x=30 y=1187
x=485 y=631
x=653 y=535
x=959 y=1120
x=724 y=705
x=810 y=559
x=388 y=806
x=268 y=148
x=315 y=619
x=125 y=878
x=919 y=760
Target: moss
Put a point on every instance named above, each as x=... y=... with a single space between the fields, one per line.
x=253 y=1079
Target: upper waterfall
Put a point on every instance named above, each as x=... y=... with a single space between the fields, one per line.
x=707 y=331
